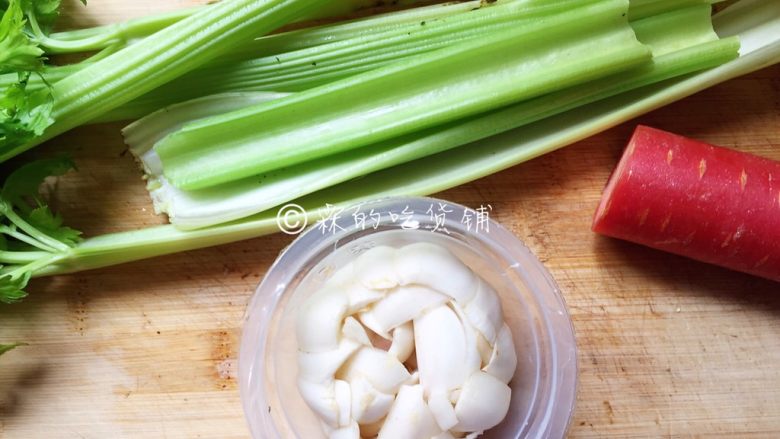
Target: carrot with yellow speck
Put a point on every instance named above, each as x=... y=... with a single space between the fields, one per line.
x=687 y=197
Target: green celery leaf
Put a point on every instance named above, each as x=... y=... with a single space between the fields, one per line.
x=43 y=219
x=17 y=50
x=23 y=114
x=12 y=288
x=21 y=190
x=25 y=181
x=7 y=347
x=35 y=236
x=46 y=12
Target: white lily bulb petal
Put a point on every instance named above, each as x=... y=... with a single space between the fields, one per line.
x=343 y=394
x=483 y=402
x=381 y=369
x=322 y=366
x=319 y=321
x=321 y=398
x=344 y=276
x=473 y=435
x=353 y=330
x=368 y=404
x=441 y=350
x=369 y=320
x=473 y=360
x=352 y=431
x=435 y=267
x=409 y=418
x=503 y=362
x=414 y=379
x=402 y=305
x=484 y=311
x=442 y=410
x=403 y=342
x=444 y=435
x=375 y=269
x=361 y=297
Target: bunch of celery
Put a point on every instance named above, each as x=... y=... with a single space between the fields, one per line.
x=682 y=41
x=378 y=134
x=462 y=142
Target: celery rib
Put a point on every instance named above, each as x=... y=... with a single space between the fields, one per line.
x=323 y=63
x=100 y=37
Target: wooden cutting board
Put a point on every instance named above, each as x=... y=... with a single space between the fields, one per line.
x=667 y=347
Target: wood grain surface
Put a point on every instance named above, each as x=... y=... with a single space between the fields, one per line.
x=668 y=347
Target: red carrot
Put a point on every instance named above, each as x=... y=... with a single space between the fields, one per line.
x=705 y=202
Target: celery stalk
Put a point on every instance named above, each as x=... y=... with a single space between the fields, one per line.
x=357 y=28
x=143 y=134
x=309 y=67
x=124 y=31
x=549 y=54
x=100 y=37
x=683 y=42
x=156 y=60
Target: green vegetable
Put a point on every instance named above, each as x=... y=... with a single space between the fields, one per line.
x=548 y=54
x=101 y=37
x=683 y=42
x=29 y=222
x=23 y=115
x=143 y=134
x=23 y=31
x=157 y=59
x=17 y=50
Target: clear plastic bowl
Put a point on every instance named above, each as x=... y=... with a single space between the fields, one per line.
x=544 y=385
